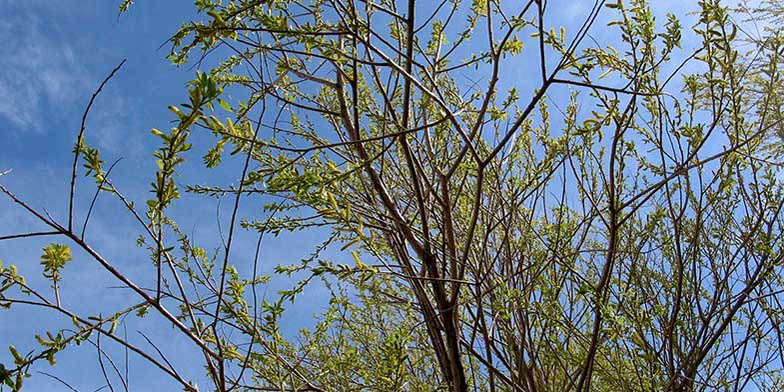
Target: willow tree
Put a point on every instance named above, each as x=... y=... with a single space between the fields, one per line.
x=505 y=204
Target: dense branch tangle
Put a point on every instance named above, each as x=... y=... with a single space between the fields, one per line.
x=531 y=255
x=628 y=239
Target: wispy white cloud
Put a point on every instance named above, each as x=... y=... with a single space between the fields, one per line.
x=115 y=125
x=47 y=78
x=36 y=69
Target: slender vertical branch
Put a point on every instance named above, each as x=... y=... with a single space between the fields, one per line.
x=79 y=141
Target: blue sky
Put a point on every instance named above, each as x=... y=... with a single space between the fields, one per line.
x=57 y=54
x=54 y=56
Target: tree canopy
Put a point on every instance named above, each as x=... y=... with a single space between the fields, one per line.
x=505 y=200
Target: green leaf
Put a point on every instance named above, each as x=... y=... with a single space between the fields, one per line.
x=18 y=359
x=4 y=373
x=53 y=259
x=225 y=105
x=114 y=324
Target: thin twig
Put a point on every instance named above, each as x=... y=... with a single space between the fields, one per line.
x=58 y=379
x=79 y=143
x=95 y=197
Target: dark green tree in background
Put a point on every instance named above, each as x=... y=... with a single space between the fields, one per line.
x=517 y=206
